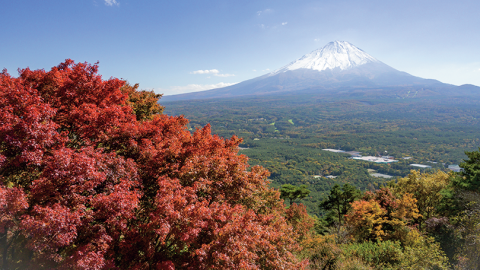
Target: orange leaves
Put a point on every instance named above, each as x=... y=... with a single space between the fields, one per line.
x=381 y=216
x=367 y=218
x=407 y=208
x=301 y=222
x=248 y=240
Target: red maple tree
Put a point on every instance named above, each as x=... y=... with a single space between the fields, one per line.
x=94 y=176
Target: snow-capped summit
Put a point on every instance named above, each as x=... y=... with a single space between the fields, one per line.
x=336 y=54
x=338 y=67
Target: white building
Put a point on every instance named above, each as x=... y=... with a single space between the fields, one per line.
x=420 y=166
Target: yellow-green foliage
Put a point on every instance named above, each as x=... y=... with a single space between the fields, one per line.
x=381 y=255
x=425 y=253
x=426 y=188
x=468 y=230
x=380 y=232
x=144 y=103
x=422 y=253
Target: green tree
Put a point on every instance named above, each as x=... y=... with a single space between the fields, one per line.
x=470 y=175
x=293 y=193
x=337 y=204
x=467 y=231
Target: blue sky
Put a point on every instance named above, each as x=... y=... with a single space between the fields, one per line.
x=191 y=45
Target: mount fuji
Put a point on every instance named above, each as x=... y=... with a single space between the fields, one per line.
x=337 y=54
x=339 y=68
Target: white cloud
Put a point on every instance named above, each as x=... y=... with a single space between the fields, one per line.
x=254 y=70
x=111 y=3
x=211 y=71
x=284 y=23
x=268 y=10
x=191 y=88
x=215 y=72
x=224 y=75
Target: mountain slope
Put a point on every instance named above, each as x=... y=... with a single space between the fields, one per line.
x=337 y=65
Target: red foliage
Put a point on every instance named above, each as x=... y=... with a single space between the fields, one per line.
x=12 y=201
x=93 y=176
x=384 y=197
x=302 y=223
x=26 y=128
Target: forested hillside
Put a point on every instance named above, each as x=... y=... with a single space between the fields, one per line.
x=286 y=135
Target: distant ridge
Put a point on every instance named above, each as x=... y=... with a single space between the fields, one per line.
x=338 y=65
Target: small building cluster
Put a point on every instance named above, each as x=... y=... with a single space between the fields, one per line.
x=388 y=159
x=454 y=168
x=384 y=159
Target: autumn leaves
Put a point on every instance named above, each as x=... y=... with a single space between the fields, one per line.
x=94 y=176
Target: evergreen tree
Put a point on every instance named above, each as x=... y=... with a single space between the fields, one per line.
x=338 y=202
x=293 y=193
x=470 y=173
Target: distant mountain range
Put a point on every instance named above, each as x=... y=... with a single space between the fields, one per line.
x=339 y=68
